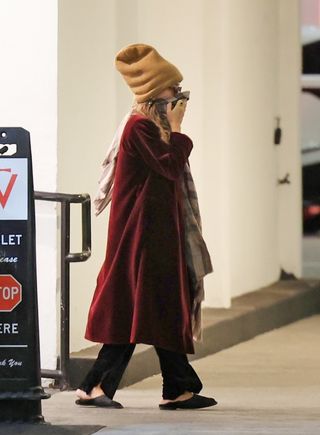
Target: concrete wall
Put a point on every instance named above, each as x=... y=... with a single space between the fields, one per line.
x=86 y=120
x=241 y=62
x=28 y=90
x=289 y=153
x=254 y=61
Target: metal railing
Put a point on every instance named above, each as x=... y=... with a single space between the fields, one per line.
x=61 y=375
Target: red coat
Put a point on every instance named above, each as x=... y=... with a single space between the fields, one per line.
x=142 y=293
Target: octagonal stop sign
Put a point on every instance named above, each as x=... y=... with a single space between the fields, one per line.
x=10 y=293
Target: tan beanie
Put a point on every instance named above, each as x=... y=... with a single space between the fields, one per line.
x=145 y=71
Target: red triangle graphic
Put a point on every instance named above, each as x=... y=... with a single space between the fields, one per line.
x=4 y=197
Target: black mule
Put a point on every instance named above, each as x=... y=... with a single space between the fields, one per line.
x=102 y=401
x=196 y=401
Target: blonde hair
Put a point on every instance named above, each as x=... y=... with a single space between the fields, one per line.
x=152 y=113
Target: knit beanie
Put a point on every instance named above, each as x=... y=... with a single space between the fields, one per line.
x=145 y=71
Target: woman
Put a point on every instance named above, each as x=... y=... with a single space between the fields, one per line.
x=144 y=290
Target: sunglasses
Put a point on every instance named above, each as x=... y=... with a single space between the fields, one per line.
x=180 y=96
x=162 y=102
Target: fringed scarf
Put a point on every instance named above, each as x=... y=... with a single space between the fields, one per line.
x=197 y=256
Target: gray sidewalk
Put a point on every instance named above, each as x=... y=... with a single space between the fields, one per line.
x=253 y=313
x=270 y=384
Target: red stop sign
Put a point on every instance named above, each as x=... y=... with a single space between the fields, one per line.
x=10 y=293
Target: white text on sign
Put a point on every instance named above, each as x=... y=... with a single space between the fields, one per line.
x=9 y=293
x=9 y=328
x=10 y=239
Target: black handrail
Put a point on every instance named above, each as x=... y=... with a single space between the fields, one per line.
x=61 y=375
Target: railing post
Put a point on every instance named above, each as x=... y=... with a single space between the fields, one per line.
x=61 y=375
x=65 y=295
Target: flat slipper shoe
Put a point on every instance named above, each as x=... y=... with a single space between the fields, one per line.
x=196 y=401
x=102 y=401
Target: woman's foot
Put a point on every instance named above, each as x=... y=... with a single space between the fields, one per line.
x=95 y=392
x=195 y=402
x=185 y=396
x=97 y=398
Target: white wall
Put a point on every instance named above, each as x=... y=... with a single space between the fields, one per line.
x=249 y=66
x=235 y=57
x=289 y=153
x=214 y=167
x=28 y=90
x=252 y=68
x=86 y=121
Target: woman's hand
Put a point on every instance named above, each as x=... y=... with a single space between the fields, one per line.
x=175 y=115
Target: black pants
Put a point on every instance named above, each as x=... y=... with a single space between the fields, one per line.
x=178 y=375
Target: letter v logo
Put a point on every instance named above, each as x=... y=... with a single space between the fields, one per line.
x=5 y=196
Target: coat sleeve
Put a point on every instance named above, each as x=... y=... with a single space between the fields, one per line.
x=167 y=159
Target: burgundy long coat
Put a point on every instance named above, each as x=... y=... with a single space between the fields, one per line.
x=142 y=293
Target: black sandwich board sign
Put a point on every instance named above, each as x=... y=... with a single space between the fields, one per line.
x=20 y=378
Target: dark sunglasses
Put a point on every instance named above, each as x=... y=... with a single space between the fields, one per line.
x=164 y=101
x=180 y=96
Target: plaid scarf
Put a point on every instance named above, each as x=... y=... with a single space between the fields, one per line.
x=197 y=256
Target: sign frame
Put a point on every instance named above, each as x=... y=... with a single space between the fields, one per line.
x=20 y=376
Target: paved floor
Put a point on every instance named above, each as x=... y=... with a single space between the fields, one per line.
x=270 y=384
